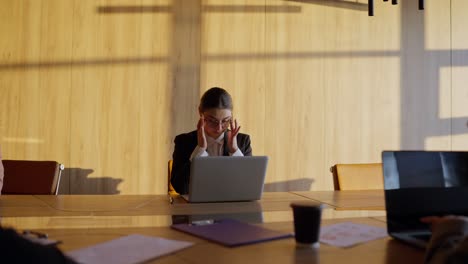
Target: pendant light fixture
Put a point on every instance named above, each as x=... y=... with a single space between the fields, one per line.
x=370 y=5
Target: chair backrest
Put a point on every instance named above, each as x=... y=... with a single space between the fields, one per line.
x=31 y=177
x=1 y=173
x=368 y=176
x=170 y=189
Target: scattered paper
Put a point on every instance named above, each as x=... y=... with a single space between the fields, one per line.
x=127 y=250
x=349 y=234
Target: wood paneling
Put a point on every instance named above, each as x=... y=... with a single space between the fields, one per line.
x=105 y=86
x=35 y=91
x=121 y=97
x=232 y=49
x=294 y=97
x=459 y=58
x=362 y=84
x=424 y=44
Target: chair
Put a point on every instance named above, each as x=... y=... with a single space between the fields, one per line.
x=170 y=189
x=31 y=177
x=368 y=176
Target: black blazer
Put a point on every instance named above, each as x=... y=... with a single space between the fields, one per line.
x=184 y=146
x=17 y=249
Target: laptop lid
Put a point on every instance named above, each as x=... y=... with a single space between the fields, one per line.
x=422 y=183
x=227 y=178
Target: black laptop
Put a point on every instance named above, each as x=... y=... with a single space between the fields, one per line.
x=423 y=183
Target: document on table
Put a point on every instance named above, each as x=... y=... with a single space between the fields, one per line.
x=231 y=233
x=127 y=250
x=349 y=234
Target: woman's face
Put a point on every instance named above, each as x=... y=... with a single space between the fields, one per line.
x=216 y=121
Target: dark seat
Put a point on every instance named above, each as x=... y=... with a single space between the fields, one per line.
x=31 y=177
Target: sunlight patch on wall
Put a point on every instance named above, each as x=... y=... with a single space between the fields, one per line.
x=445 y=93
x=438 y=143
x=459 y=91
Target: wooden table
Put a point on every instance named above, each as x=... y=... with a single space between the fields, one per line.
x=349 y=200
x=384 y=250
x=84 y=220
x=83 y=211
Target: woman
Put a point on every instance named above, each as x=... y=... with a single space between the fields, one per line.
x=212 y=137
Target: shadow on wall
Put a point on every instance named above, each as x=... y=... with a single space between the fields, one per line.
x=335 y=3
x=77 y=181
x=289 y=186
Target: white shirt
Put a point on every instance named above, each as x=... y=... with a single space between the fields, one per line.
x=214 y=148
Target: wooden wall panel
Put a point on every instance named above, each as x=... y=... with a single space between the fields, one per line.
x=156 y=92
x=19 y=85
x=233 y=57
x=121 y=110
x=185 y=66
x=105 y=86
x=295 y=88
x=362 y=85
x=104 y=114
x=425 y=40
x=34 y=88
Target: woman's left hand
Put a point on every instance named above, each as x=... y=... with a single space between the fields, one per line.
x=232 y=136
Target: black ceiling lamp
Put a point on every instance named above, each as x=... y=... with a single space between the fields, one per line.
x=421 y=4
x=370 y=5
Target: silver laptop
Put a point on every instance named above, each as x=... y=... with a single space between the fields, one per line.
x=423 y=183
x=226 y=179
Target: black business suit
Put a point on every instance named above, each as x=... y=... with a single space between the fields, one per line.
x=184 y=146
x=17 y=249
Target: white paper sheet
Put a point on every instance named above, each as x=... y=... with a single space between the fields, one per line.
x=349 y=234
x=127 y=250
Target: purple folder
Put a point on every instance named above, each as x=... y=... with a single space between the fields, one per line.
x=231 y=233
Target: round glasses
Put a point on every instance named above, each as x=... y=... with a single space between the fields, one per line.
x=212 y=122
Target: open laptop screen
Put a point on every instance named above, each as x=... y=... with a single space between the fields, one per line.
x=422 y=183
x=227 y=179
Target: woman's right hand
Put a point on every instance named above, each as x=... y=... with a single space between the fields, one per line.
x=201 y=133
x=434 y=221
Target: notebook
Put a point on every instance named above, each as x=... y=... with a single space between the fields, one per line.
x=226 y=179
x=423 y=183
x=230 y=232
